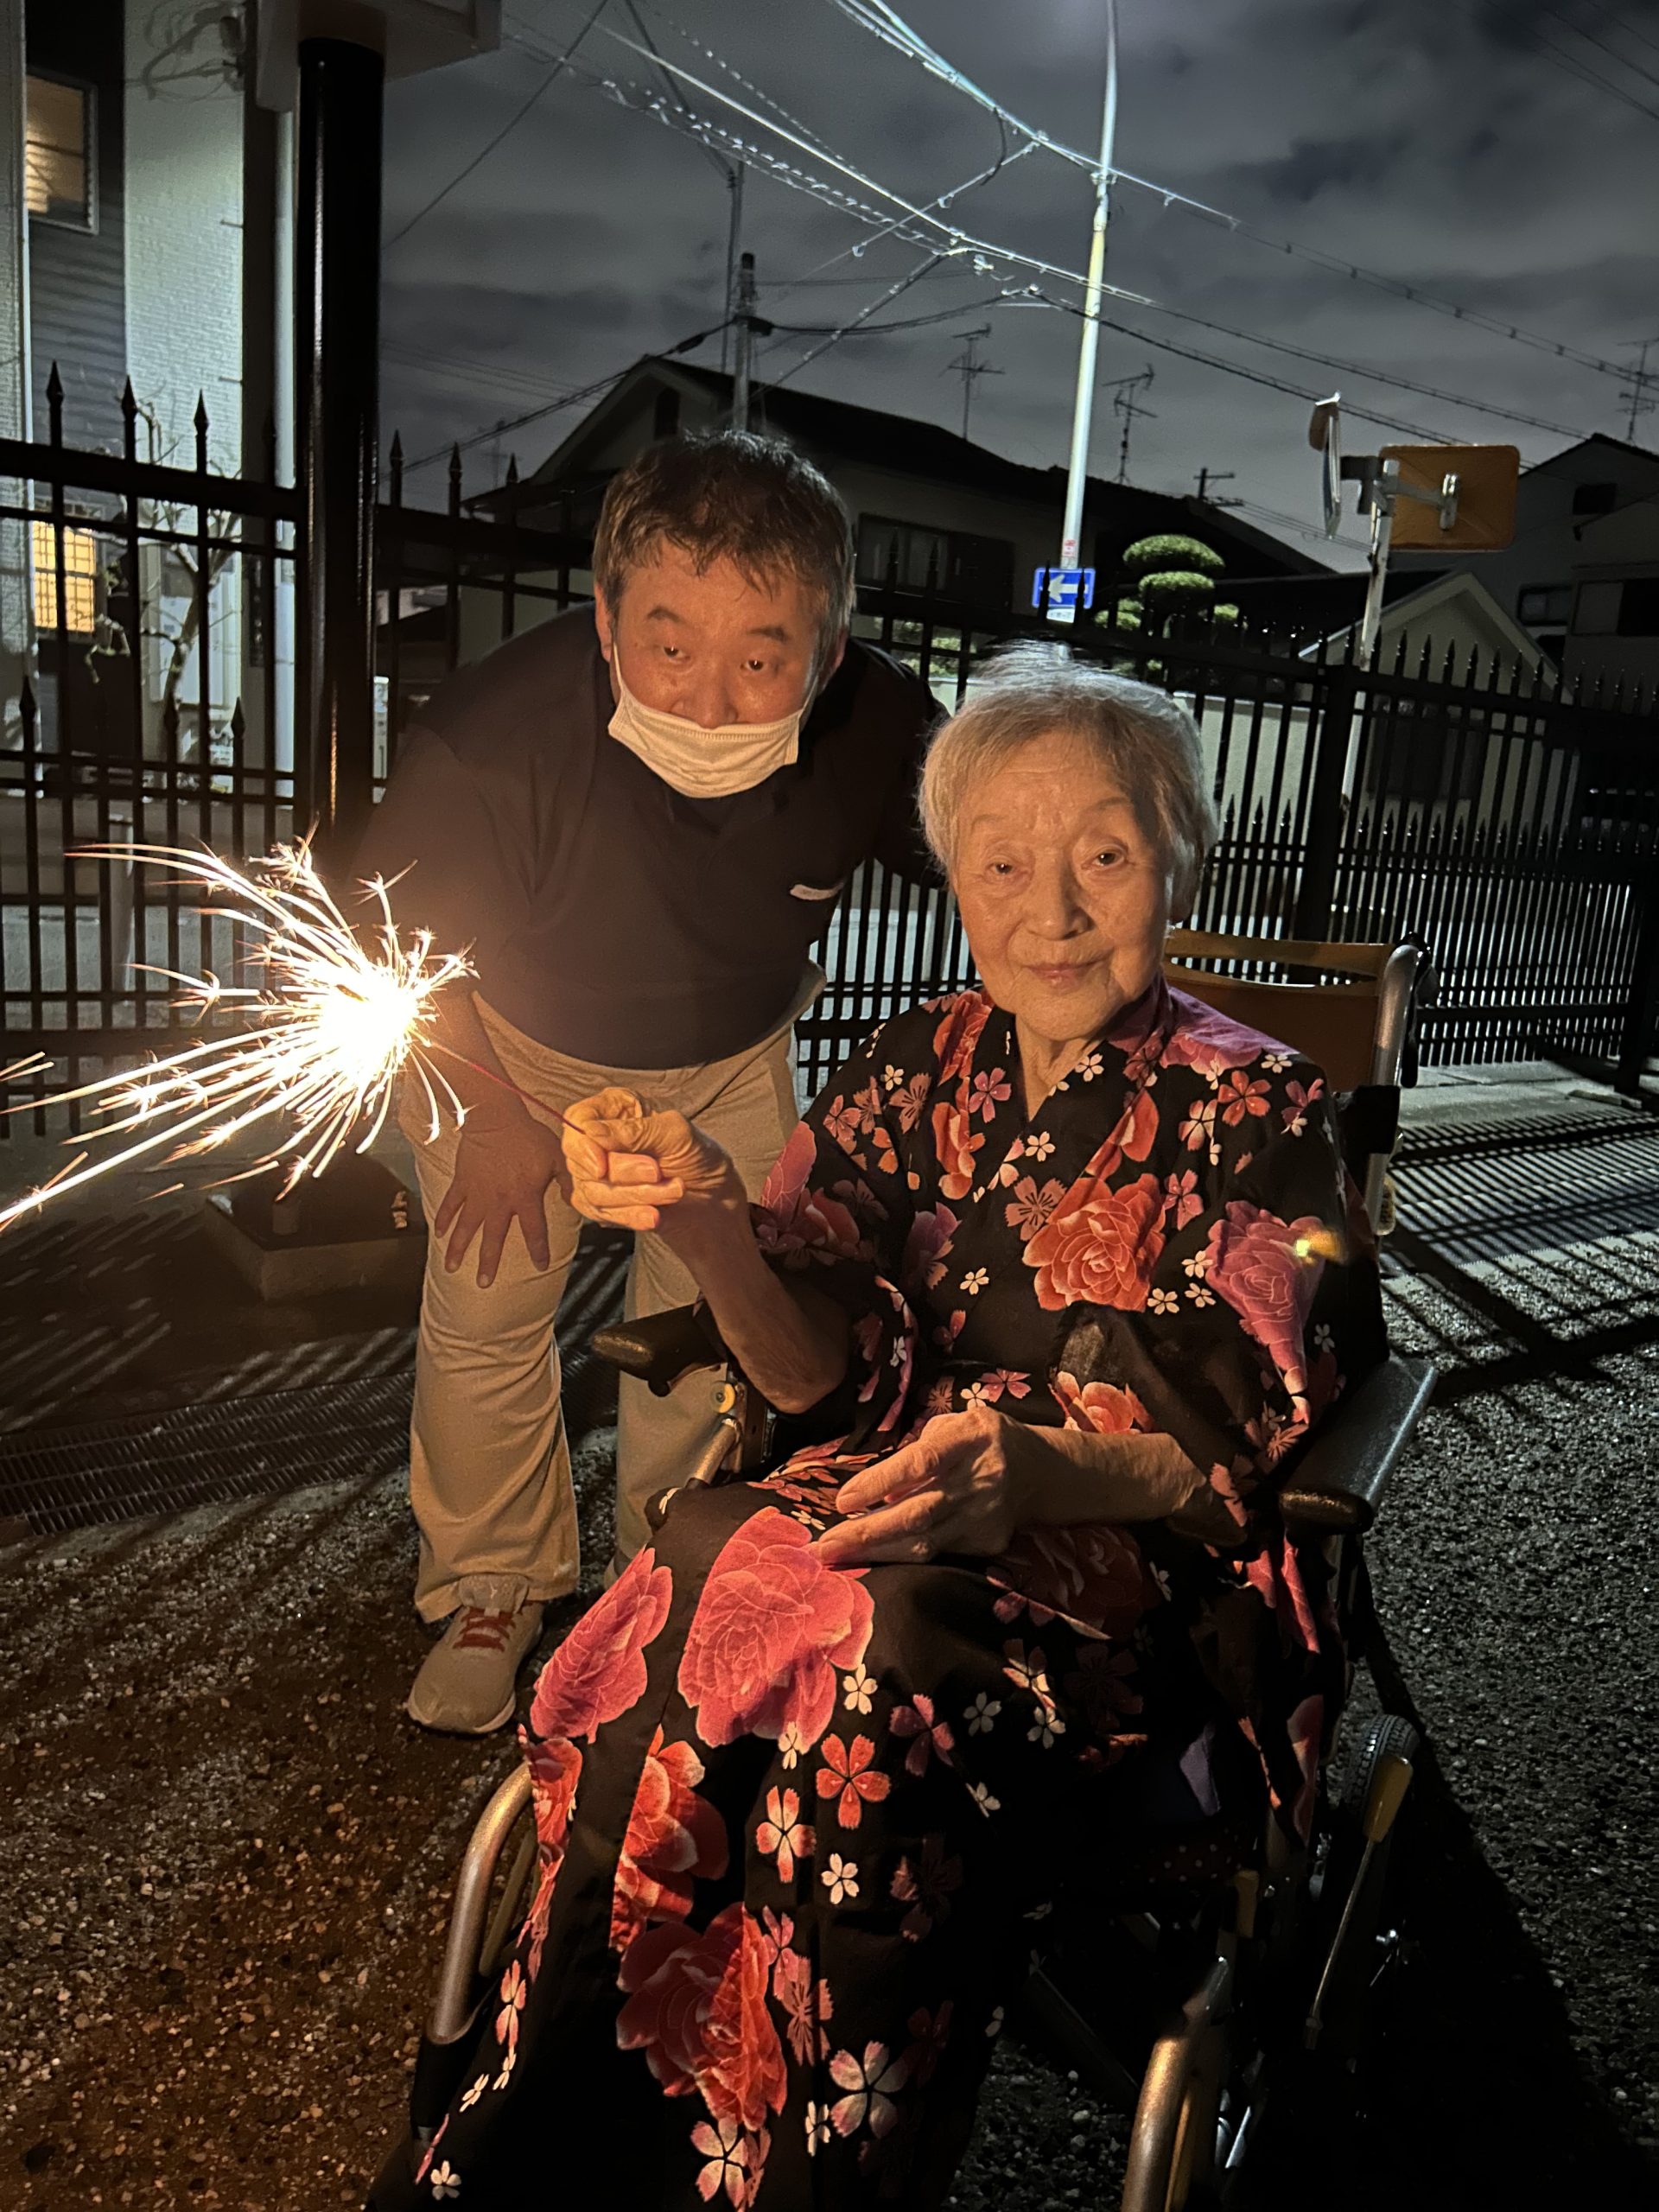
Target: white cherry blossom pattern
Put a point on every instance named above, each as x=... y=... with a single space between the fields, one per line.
x=981 y=1715
x=475 y=2093
x=1198 y=1266
x=1199 y=1295
x=871 y=2082
x=840 y=1877
x=858 y=1689
x=507 y=2065
x=1162 y=1302
x=783 y=1835
x=994 y=2025
x=1323 y=1339
x=790 y=1744
x=975 y=1281
x=1089 y=1066
x=982 y=1797
x=444 y=2181
x=891 y=1077
x=727 y=2157
x=1040 y=1145
x=1274 y=1063
x=817 y=2127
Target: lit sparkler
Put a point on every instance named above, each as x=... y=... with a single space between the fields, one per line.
x=330 y=1029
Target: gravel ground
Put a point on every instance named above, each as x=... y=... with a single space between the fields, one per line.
x=226 y=1860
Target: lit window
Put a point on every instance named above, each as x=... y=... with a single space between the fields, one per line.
x=57 y=153
x=79 y=578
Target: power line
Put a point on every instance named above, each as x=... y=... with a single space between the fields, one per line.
x=989 y=252
x=884 y=23
x=960 y=241
x=1378 y=376
x=1250 y=376
x=1591 y=38
x=553 y=407
x=507 y=128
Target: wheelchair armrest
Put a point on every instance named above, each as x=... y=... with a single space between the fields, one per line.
x=1338 y=1483
x=662 y=1347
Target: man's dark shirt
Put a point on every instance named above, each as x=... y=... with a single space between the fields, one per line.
x=608 y=916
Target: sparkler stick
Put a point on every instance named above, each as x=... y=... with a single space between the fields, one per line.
x=328 y=1033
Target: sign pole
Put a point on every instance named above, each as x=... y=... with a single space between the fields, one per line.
x=1088 y=346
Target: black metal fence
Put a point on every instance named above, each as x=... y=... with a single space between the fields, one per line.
x=146 y=637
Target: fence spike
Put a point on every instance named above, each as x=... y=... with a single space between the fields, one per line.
x=238 y=721
x=54 y=406
x=200 y=418
x=512 y=470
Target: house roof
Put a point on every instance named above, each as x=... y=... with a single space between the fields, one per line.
x=1317 y=605
x=1497 y=633
x=838 y=428
x=1618 y=446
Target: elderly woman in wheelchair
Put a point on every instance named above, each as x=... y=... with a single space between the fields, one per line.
x=1058 y=1277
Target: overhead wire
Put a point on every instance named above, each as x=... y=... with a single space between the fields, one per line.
x=517 y=116
x=885 y=22
x=555 y=406
x=696 y=123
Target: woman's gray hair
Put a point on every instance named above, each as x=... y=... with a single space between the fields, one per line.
x=1146 y=739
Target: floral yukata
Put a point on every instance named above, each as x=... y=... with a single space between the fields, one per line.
x=801 y=1826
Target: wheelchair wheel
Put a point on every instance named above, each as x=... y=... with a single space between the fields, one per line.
x=1354 y=1890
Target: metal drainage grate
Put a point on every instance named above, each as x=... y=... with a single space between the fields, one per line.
x=52 y=1480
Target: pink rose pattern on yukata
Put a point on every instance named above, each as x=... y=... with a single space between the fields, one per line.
x=798 y=1825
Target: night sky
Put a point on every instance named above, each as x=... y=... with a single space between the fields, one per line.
x=1454 y=145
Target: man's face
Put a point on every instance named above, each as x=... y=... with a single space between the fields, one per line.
x=711 y=645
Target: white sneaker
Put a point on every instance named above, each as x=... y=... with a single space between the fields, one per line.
x=467 y=1681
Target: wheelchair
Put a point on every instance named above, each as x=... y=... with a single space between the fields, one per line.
x=1233 y=1958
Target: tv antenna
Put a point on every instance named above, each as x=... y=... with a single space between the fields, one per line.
x=1640 y=379
x=968 y=366
x=1125 y=403
x=1206 y=477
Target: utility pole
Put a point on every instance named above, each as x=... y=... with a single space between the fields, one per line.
x=745 y=320
x=1124 y=404
x=733 y=232
x=1640 y=404
x=969 y=365
x=1209 y=476
x=1077 y=476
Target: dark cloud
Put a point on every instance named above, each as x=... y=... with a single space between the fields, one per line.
x=1440 y=144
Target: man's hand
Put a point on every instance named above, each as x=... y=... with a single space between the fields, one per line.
x=504 y=1161
x=960 y=1486
x=632 y=1166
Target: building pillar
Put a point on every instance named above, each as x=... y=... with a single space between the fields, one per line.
x=16 y=627
x=337 y=330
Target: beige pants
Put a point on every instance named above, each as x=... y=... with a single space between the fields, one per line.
x=489 y=1471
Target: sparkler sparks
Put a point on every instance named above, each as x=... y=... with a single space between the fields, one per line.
x=329 y=1030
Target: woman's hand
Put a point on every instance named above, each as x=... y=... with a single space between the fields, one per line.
x=960 y=1486
x=632 y=1167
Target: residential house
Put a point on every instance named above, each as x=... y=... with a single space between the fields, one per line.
x=925 y=502
x=1581 y=574
x=139 y=186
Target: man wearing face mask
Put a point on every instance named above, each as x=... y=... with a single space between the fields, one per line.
x=639 y=817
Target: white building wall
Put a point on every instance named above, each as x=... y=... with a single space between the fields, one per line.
x=183 y=121
x=184 y=235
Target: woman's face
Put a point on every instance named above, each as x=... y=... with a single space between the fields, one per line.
x=1064 y=894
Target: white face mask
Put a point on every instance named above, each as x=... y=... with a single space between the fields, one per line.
x=703 y=763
